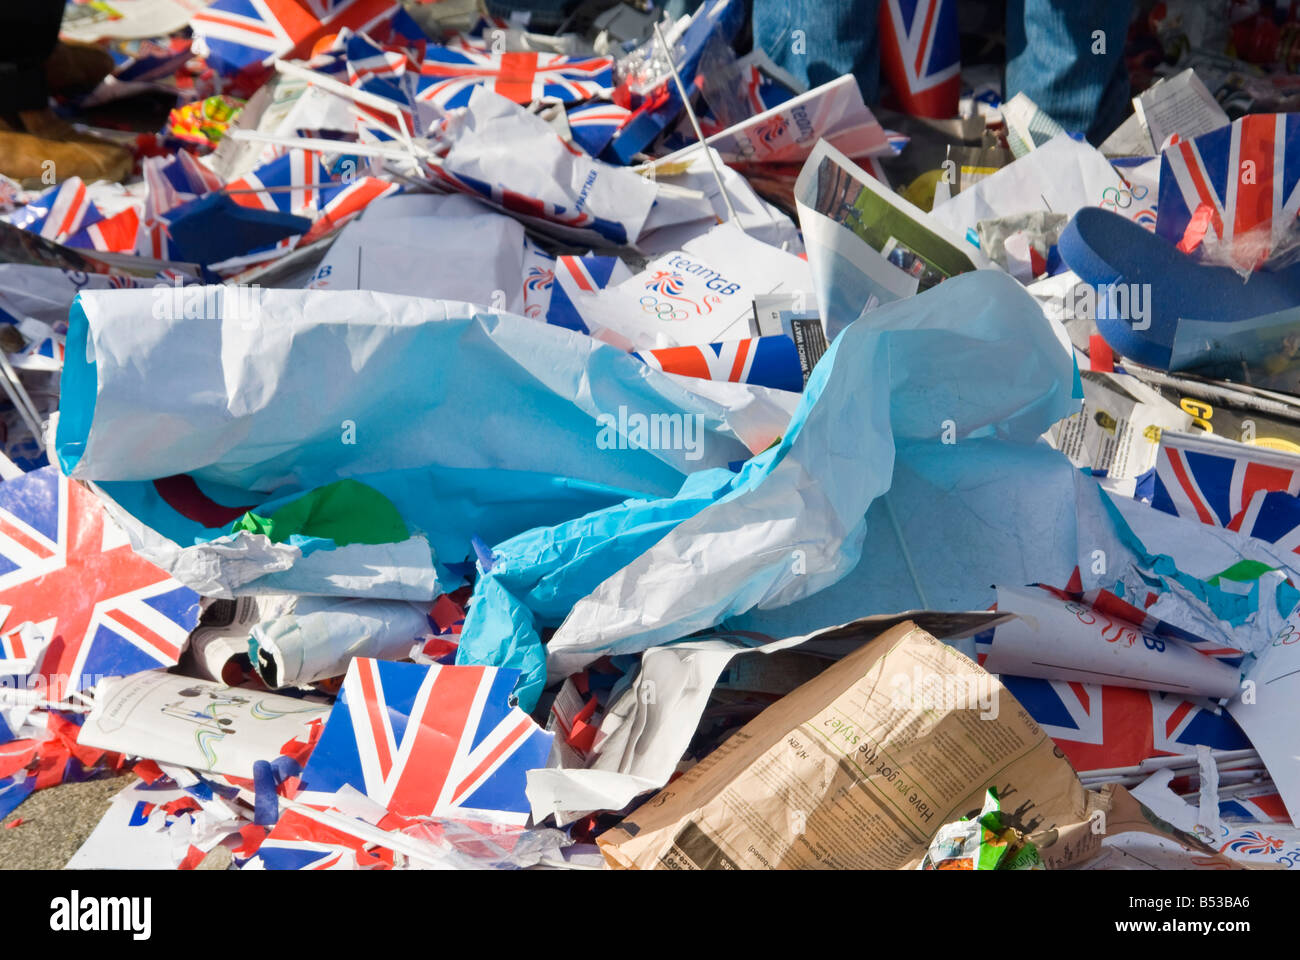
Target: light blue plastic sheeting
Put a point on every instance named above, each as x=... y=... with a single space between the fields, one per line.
x=963 y=518
x=469 y=422
x=972 y=358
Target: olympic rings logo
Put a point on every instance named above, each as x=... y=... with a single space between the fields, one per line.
x=1122 y=199
x=661 y=310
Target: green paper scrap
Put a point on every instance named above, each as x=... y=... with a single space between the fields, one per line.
x=344 y=511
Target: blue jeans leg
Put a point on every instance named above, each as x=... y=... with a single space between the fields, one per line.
x=1068 y=57
x=819 y=40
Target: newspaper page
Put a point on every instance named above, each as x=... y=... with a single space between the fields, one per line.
x=1118 y=427
x=1180 y=104
x=1028 y=127
x=877 y=247
x=223 y=630
x=859 y=768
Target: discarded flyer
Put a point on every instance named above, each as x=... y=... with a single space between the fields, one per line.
x=195 y=723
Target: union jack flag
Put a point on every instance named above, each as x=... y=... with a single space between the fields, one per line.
x=593 y=125
x=98 y=607
x=576 y=276
x=525 y=207
x=298 y=183
x=449 y=75
x=762 y=89
x=169 y=183
x=766 y=361
x=1237 y=187
x=59 y=212
x=301 y=842
x=367 y=60
x=1099 y=727
x=390 y=72
x=1262 y=804
x=1271 y=516
x=920 y=55
x=1214 y=480
x=428 y=741
x=66 y=214
x=115 y=234
x=656 y=109
x=553 y=287
x=246 y=35
x=290 y=183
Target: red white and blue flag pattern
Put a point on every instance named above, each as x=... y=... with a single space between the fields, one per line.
x=594 y=124
x=1216 y=481
x=1237 y=187
x=295 y=182
x=67 y=214
x=920 y=55
x=765 y=361
x=248 y=35
x=657 y=109
x=1260 y=804
x=1101 y=727
x=441 y=741
x=299 y=841
x=448 y=75
x=98 y=608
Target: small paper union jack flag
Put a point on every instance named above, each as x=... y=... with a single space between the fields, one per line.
x=449 y=75
x=1215 y=481
x=246 y=35
x=920 y=55
x=300 y=842
x=593 y=125
x=59 y=212
x=525 y=206
x=552 y=287
x=1236 y=187
x=767 y=361
x=98 y=608
x=440 y=741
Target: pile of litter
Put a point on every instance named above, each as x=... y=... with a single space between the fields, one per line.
x=464 y=447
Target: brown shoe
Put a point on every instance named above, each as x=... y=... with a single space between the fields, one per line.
x=76 y=68
x=37 y=161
